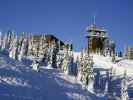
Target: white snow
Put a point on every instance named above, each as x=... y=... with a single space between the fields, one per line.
x=14 y=81
x=19 y=82
x=76 y=54
x=104 y=63
x=119 y=67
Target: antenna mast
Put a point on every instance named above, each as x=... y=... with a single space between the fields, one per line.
x=94 y=19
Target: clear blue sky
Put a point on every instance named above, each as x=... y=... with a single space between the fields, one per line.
x=67 y=19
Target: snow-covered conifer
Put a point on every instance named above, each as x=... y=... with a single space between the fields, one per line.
x=65 y=62
x=0 y=40
x=97 y=82
x=20 y=41
x=14 y=49
x=124 y=88
x=87 y=71
x=30 y=45
x=35 y=65
x=80 y=66
x=4 y=42
x=113 y=57
x=23 y=50
x=111 y=86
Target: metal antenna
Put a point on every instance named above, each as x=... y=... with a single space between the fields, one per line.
x=94 y=19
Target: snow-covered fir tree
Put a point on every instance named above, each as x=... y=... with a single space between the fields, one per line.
x=124 y=87
x=51 y=55
x=71 y=68
x=65 y=62
x=91 y=75
x=0 y=40
x=111 y=85
x=76 y=65
x=26 y=46
x=10 y=36
x=41 y=49
x=60 y=58
x=13 y=36
x=106 y=84
x=4 y=43
x=7 y=40
x=35 y=65
x=87 y=71
x=45 y=55
x=23 y=50
x=97 y=82
x=80 y=66
x=30 y=45
x=37 y=50
x=113 y=57
x=14 y=49
x=12 y=44
x=20 y=41
x=106 y=88
x=54 y=55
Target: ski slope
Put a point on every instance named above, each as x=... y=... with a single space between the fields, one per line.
x=105 y=63
x=19 y=82
x=120 y=66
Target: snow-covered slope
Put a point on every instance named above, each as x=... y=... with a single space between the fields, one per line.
x=19 y=82
x=119 y=67
x=105 y=63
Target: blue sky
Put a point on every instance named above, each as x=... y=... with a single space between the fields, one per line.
x=67 y=19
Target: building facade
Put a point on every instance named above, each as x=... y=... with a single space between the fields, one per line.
x=39 y=43
x=98 y=41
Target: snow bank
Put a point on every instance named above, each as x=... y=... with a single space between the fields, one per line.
x=14 y=81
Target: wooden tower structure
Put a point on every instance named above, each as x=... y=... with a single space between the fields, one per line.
x=96 y=38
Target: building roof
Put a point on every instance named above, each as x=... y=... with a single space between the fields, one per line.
x=97 y=32
x=47 y=37
x=93 y=27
